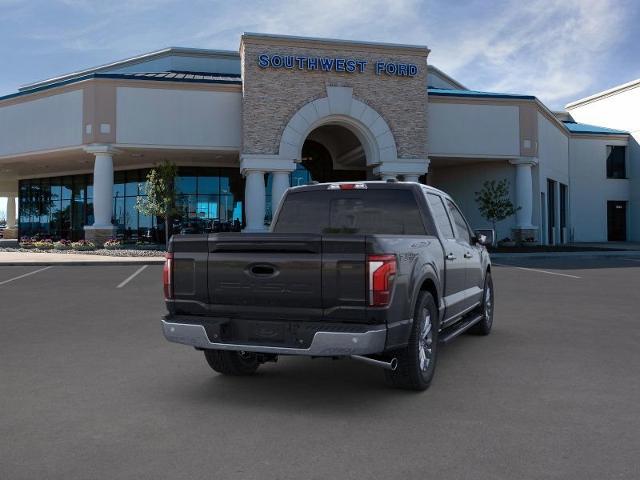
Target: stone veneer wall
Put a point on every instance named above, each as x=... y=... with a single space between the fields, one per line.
x=271 y=96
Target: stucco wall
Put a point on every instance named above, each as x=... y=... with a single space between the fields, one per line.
x=271 y=96
x=462 y=181
x=621 y=111
x=465 y=129
x=553 y=158
x=590 y=189
x=164 y=117
x=45 y=123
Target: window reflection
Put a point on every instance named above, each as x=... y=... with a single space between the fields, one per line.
x=300 y=176
x=209 y=200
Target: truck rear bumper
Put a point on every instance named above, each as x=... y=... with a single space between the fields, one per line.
x=324 y=344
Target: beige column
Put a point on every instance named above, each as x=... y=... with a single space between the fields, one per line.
x=102 y=228
x=11 y=212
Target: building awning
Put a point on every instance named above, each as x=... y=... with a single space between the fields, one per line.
x=475 y=93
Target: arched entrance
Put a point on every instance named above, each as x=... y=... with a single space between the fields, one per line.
x=348 y=119
x=332 y=153
x=335 y=138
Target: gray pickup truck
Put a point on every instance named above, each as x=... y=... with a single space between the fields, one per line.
x=380 y=272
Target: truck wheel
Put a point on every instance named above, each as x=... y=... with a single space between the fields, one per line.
x=417 y=361
x=483 y=327
x=232 y=363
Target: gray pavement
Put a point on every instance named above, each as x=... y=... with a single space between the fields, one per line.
x=89 y=389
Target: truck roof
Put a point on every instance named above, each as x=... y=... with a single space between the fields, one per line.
x=369 y=183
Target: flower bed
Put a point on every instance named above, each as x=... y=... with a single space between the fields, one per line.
x=122 y=252
x=62 y=245
x=113 y=244
x=112 y=247
x=43 y=244
x=83 y=245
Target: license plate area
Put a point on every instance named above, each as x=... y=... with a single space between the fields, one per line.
x=267 y=332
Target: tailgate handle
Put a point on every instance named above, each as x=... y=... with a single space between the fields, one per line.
x=263 y=270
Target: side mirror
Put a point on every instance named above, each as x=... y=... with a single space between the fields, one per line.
x=485 y=237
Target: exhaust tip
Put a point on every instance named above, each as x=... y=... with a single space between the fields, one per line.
x=393 y=364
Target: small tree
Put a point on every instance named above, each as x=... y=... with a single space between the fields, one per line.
x=160 y=193
x=494 y=202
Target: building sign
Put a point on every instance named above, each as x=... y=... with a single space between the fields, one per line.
x=331 y=64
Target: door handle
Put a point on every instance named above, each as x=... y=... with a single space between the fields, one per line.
x=262 y=270
x=468 y=255
x=450 y=256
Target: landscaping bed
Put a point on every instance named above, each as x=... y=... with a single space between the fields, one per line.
x=548 y=248
x=123 y=252
x=111 y=248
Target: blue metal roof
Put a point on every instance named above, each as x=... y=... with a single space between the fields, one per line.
x=176 y=75
x=444 y=92
x=173 y=76
x=575 y=127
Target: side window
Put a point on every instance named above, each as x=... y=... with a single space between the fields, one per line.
x=616 y=161
x=440 y=215
x=461 y=225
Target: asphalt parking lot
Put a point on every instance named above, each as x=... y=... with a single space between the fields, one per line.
x=89 y=389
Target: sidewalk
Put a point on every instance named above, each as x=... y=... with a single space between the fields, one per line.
x=592 y=254
x=616 y=245
x=32 y=258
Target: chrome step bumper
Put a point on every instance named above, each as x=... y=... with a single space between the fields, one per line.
x=324 y=344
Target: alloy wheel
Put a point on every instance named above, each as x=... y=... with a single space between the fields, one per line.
x=425 y=347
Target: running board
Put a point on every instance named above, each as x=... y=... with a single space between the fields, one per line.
x=462 y=326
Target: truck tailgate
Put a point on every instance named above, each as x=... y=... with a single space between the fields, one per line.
x=302 y=277
x=259 y=275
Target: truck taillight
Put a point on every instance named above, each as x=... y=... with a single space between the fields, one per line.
x=382 y=272
x=167 y=276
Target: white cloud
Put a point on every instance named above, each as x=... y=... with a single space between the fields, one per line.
x=554 y=49
x=548 y=48
x=349 y=19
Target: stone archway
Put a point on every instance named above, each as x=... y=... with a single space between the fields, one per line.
x=340 y=108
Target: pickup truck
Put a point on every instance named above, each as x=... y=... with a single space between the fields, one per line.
x=380 y=272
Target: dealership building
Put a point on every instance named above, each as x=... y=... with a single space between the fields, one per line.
x=244 y=126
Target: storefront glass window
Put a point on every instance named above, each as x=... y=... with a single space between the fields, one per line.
x=209 y=200
x=300 y=176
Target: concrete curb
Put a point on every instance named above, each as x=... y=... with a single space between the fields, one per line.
x=81 y=263
x=546 y=255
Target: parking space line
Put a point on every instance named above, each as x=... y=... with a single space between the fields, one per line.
x=132 y=276
x=539 y=271
x=25 y=275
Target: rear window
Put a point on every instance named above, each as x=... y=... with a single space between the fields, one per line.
x=366 y=212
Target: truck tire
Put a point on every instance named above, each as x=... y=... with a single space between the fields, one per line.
x=483 y=327
x=232 y=363
x=417 y=361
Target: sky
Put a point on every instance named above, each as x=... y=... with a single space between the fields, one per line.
x=558 y=50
